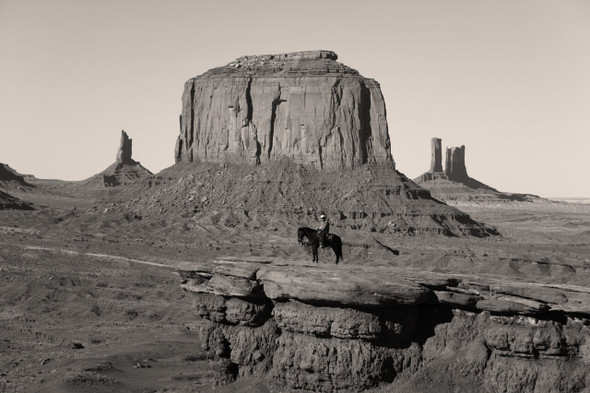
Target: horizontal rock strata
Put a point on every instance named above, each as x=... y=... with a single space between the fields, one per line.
x=348 y=328
x=302 y=105
x=8 y=201
x=10 y=181
x=9 y=174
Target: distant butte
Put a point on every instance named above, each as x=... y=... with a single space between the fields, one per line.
x=454 y=184
x=455 y=169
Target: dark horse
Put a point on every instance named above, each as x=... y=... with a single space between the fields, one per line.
x=313 y=240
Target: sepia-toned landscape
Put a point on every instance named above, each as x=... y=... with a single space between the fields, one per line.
x=194 y=279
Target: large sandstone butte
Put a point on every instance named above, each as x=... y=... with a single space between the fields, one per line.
x=345 y=328
x=314 y=134
x=302 y=105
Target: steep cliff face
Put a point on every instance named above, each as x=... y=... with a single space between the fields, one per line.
x=125 y=150
x=12 y=181
x=436 y=156
x=9 y=174
x=455 y=164
x=8 y=201
x=454 y=170
x=350 y=328
x=303 y=105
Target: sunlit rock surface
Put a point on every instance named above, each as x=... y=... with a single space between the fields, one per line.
x=303 y=105
x=124 y=171
x=309 y=327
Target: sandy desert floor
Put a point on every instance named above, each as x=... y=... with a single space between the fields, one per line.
x=97 y=306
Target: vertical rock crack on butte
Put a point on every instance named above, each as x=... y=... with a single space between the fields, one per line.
x=365 y=117
x=249 y=100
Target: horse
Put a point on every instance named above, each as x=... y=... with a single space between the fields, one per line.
x=313 y=240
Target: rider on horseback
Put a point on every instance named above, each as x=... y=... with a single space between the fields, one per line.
x=323 y=229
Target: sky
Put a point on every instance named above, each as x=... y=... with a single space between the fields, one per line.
x=509 y=79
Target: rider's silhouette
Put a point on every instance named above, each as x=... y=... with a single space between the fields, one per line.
x=323 y=229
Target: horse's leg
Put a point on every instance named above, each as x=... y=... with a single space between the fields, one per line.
x=337 y=248
x=335 y=252
x=314 y=250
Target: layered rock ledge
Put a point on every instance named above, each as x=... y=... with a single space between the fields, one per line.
x=327 y=328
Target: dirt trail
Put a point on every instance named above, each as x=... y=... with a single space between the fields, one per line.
x=90 y=254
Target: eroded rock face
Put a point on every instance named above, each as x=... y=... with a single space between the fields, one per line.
x=11 y=180
x=453 y=184
x=8 y=201
x=302 y=105
x=125 y=150
x=124 y=171
x=368 y=198
x=464 y=334
x=454 y=170
x=9 y=174
x=455 y=164
x=436 y=159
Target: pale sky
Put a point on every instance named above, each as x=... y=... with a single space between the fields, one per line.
x=509 y=79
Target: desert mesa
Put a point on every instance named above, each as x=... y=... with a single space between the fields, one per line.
x=194 y=279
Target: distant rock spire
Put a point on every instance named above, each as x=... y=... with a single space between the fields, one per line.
x=454 y=170
x=436 y=159
x=125 y=150
x=455 y=164
x=124 y=171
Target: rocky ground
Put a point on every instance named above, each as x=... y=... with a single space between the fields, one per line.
x=91 y=297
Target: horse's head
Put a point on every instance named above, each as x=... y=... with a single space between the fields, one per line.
x=300 y=234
